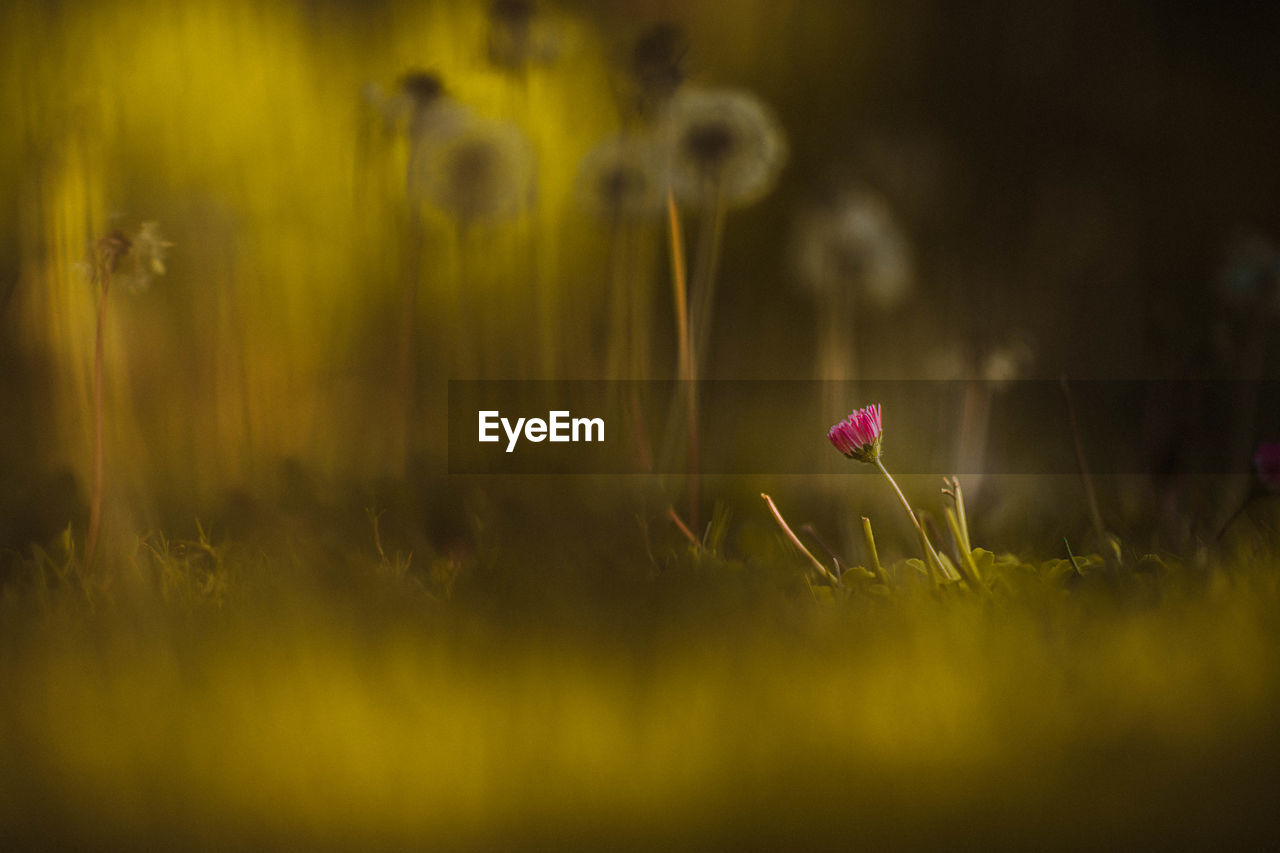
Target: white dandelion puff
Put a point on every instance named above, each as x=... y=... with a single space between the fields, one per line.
x=727 y=147
x=621 y=178
x=849 y=240
x=486 y=171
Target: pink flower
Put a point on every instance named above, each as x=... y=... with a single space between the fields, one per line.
x=1266 y=461
x=858 y=436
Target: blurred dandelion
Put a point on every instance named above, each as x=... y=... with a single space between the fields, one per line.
x=847 y=240
x=418 y=108
x=144 y=260
x=621 y=178
x=620 y=182
x=485 y=172
x=1007 y=363
x=859 y=437
x=133 y=261
x=849 y=253
x=510 y=23
x=727 y=148
x=420 y=111
x=656 y=68
x=518 y=35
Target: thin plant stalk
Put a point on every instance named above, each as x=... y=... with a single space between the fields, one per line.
x=931 y=556
x=684 y=528
x=1091 y=497
x=702 y=298
x=407 y=350
x=875 y=555
x=795 y=540
x=620 y=361
x=95 y=494
x=466 y=325
x=710 y=240
x=685 y=348
x=968 y=567
x=953 y=491
x=681 y=290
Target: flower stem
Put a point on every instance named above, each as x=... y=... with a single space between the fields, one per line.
x=681 y=289
x=875 y=555
x=685 y=349
x=710 y=241
x=931 y=556
x=95 y=494
x=795 y=540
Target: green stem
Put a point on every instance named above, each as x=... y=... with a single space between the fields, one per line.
x=795 y=540
x=875 y=555
x=931 y=556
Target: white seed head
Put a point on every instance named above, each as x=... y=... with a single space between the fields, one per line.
x=726 y=147
x=621 y=177
x=485 y=171
x=851 y=240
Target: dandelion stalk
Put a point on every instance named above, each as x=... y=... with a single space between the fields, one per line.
x=106 y=265
x=726 y=150
x=407 y=367
x=684 y=347
x=710 y=241
x=145 y=250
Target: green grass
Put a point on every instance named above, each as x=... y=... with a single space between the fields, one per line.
x=592 y=687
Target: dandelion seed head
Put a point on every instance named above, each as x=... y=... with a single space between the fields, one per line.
x=518 y=36
x=859 y=435
x=418 y=107
x=657 y=62
x=849 y=239
x=113 y=247
x=131 y=260
x=484 y=172
x=727 y=147
x=423 y=88
x=146 y=258
x=621 y=177
x=509 y=32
